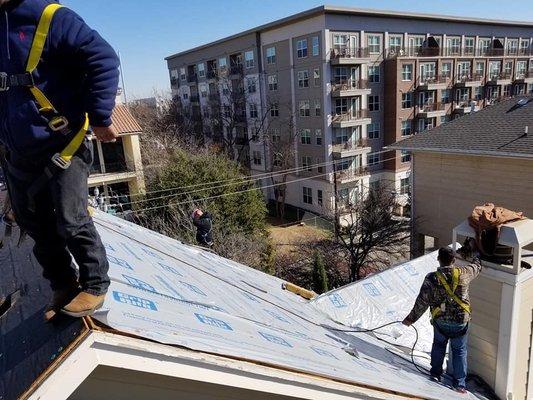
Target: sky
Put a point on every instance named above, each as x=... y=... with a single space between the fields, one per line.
x=147 y=31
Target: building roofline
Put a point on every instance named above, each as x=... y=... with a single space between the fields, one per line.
x=330 y=9
x=502 y=154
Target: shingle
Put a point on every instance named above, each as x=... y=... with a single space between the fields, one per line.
x=497 y=129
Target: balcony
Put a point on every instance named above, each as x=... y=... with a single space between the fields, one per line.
x=350 y=148
x=212 y=74
x=524 y=77
x=342 y=55
x=501 y=78
x=468 y=80
x=346 y=88
x=346 y=120
x=236 y=69
x=467 y=106
x=174 y=81
x=432 y=82
x=431 y=110
x=194 y=98
x=192 y=78
x=351 y=174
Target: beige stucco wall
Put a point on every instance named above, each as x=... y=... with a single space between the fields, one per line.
x=447 y=187
x=524 y=343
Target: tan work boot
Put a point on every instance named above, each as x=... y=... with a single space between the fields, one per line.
x=83 y=304
x=60 y=298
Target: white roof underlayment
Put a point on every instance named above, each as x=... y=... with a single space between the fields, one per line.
x=176 y=294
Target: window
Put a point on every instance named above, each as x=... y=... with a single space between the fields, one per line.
x=316 y=76
x=483 y=45
x=447 y=69
x=524 y=46
x=318 y=136
x=203 y=91
x=406 y=128
x=372 y=159
x=405 y=156
x=274 y=110
x=253 y=110
x=374 y=186
x=469 y=45
x=257 y=157
x=530 y=88
x=275 y=136
x=463 y=69
x=478 y=93
x=185 y=96
x=454 y=46
x=303 y=79
x=304 y=108
x=341 y=106
x=276 y=159
x=249 y=59
x=507 y=68
x=445 y=95
x=315 y=42
x=404 y=186
x=301 y=48
x=521 y=67
x=250 y=83
x=271 y=55
x=373 y=130
x=201 y=69
x=308 y=195
x=395 y=44
x=373 y=103
x=305 y=137
x=344 y=196
x=444 y=119
x=222 y=62
x=320 y=197
x=183 y=75
x=494 y=69
x=318 y=107
x=407 y=100
x=407 y=72
x=507 y=90
x=480 y=68
x=306 y=163
x=320 y=164
x=272 y=82
x=374 y=44
x=373 y=73
x=512 y=46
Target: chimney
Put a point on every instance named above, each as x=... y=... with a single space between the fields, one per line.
x=499 y=345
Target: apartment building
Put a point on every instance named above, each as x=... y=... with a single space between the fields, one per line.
x=346 y=82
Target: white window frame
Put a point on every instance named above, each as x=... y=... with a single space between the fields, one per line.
x=405 y=156
x=303 y=79
x=316 y=76
x=257 y=156
x=374 y=103
x=374 y=130
x=301 y=48
x=307 y=195
x=271 y=55
x=374 y=74
x=305 y=136
x=251 y=83
x=407 y=100
x=252 y=110
x=318 y=137
x=373 y=159
x=201 y=70
x=304 y=107
x=249 y=61
x=315 y=46
x=318 y=108
x=407 y=72
x=307 y=162
x=272 y=82
x=374 y=43
x=406 y=127
x=222 y=63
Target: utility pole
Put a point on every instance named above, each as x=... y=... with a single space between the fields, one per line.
x=122 y=79
x=335 y=201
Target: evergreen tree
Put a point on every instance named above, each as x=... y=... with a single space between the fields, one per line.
x=320 y=278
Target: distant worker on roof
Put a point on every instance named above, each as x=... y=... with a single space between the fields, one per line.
x=445 y=292
x=204 y=227
x=57 y=76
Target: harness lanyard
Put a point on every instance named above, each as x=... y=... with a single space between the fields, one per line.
x=57 y=122
x=450 y=291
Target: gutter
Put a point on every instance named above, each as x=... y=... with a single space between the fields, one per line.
x=464 y=152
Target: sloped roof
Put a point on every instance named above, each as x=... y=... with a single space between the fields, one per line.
x=124 y=121
x=176 y=294
x=496 y=130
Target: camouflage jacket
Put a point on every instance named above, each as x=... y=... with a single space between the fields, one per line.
x=433 y=294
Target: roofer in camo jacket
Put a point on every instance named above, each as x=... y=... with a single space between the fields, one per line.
x=57 y=76
x=445 y=292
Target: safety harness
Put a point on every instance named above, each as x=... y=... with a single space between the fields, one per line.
x=56 y=122
x=450 y=291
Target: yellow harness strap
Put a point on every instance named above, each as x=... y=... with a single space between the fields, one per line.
x=57 y=122
x=451 y=291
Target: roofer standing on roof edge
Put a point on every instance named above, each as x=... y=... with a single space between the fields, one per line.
x=445 y=292
x=57 y=76
x=204 y=227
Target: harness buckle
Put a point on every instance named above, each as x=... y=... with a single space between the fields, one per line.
x=60 y=161
x=58 y=123
x=4 y=87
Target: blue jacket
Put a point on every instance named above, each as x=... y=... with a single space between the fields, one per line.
x=78 y=72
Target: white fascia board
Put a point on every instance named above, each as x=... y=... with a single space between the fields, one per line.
x=117 y=351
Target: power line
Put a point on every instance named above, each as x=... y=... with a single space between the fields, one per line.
x=237 y=192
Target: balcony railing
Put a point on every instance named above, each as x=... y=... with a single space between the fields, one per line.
x=433 y=106
x=422 y=51
x=192 y=78
x=212 y=74
x=432 y=79
x=524 y=75
x=499 y=76
x=351 y=116
x=236 y=69
x=352 y=173
x=467 y=103
x=350 y=145
x=349 y=52
x=469 y=78
x=348 y=84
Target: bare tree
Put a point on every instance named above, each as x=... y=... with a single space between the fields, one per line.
x=373 y=235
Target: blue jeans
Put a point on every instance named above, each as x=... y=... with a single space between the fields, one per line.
x=444 y=331
x=60 y=225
